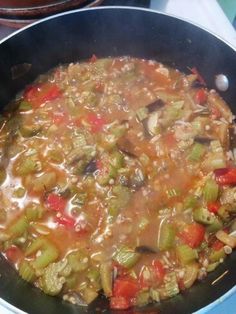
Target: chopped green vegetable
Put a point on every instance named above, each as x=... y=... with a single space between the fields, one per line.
x=190 y=202
x=171 y=286
x=223 y=212
x=210 y=191
x=212 y=267
x=25 y=106
x=26 y=271
x=215 y=256
x=186 y=254
x=142 y=298
x=106 y=278
x=126 y=257
x=20 y=192
x=53 y=278
x=166 y=237
x=173 y=193
x=34 y=211
x=78 y=260
x=49 y=253
x=215 y=225
x=89 y=295
x=19 y=226
x=196 y=152
x=142 y=113
x=44 y=182
x=29 y=130
x=202 y=215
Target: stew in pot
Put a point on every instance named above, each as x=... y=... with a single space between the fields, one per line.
x=117 y=176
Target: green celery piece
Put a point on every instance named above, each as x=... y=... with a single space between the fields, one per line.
x=186 y=254
x=26 y=271
x=126 y=257
x=215 y=256
x=210 y=191
x=49 y=253
x=196 y=152
x=19 y=227
x=190 y=202
x=106 y=278
x=25 y=106
x=78 y=260
x=166 y=237
x=215 y=226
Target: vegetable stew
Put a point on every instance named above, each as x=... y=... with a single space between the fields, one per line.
x=118 y=177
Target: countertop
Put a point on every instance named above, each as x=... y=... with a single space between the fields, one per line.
x=205 y=13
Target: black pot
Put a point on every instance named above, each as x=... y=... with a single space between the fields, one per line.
x=114 y=32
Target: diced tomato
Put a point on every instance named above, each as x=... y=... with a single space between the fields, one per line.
x=213 y=207
x=225 y=176
x=119 y=303
x=169 y=140
x=199 y=77
x=192 y=235
x=40 y=93
x=96 y=122
x=125 y=287
x=56 y=202
x=159 y=271
x=65 y=221
x=93 y=58
x=201 y=96
x=13 y=254
x=59 y=118
x=217 y=245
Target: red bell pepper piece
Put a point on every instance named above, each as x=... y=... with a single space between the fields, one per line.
x=119 y=303
x=65 y=221
x=56 y=202
x=125 y=287
x=159 y=271
x=217 y=245
x=201 y=96
x=96 y=122
x=192 y=235
x=13 y=254
x=225 y=176
x=199 y=77
x=213 y=207
x=40 y=93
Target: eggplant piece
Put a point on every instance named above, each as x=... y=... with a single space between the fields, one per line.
x=150 y=124
x=137 y=180
x=145 y=249
x=205 y=140
x=91 y=167
x=126 y=146
x=154 y=106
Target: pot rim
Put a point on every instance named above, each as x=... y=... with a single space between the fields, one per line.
x=230 y=292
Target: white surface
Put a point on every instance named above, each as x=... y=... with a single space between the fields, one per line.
x=206 y=13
